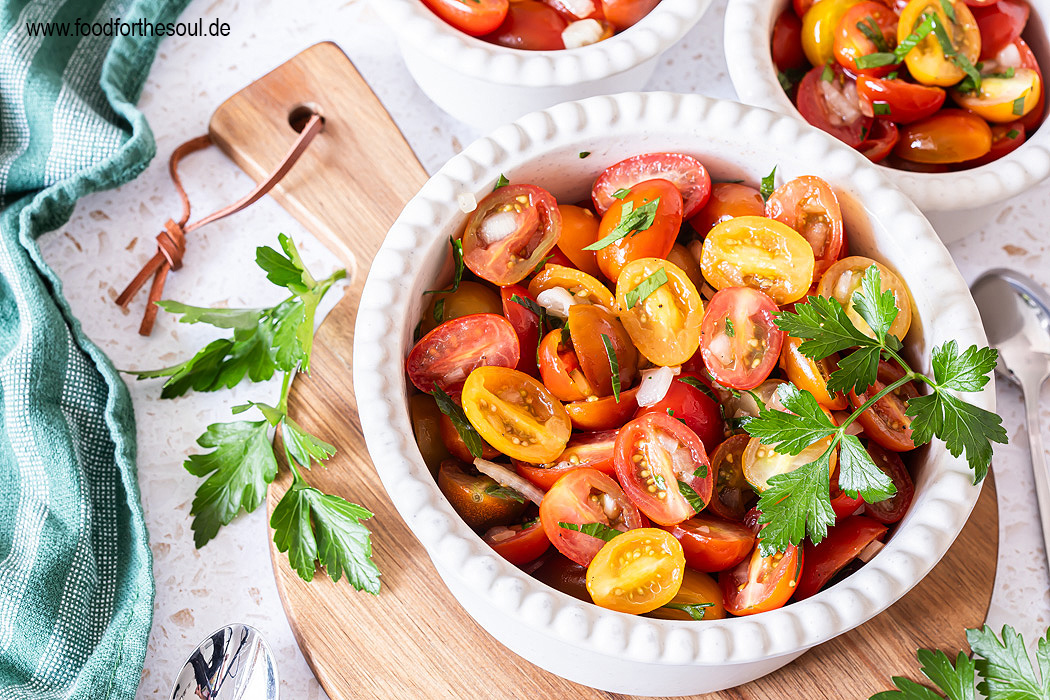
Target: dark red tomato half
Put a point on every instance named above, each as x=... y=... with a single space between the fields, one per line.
x=692 y=405
x=886 y=421
x=565 y=575
x=739 y=338
x=733 y=495
x=455 y=445
x=684 y=172
x=475 y=18
x=510 y=232
x=880 y=141
x=1005 y=138
x=518 y=544
x=529 y=25
x=906 y=102
x=842 y=544
x=828 y=105
x=786 y=44
x=893 y=508
x=842 y=503
x=526 y=324
x=663 y=468
x=446 y=355
x=593 y=450
x=1000 y=24
x=711 y=543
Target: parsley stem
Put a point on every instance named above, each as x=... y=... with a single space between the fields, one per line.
x=908 y=376
x=286 y=384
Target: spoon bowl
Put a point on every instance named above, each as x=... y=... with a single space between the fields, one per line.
x=232 y=663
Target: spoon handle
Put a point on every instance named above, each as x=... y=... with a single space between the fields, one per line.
x=1042 y=478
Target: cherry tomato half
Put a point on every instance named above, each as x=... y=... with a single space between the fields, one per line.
x=526 y=323
x=516 y=414
x=693 y=406
x=426 y=426
x=445 y=356
x=762 y=462
x=809 y=206
x=811 y=375
x=583 y=287
x=728 y=200
x=636 y=572
x=470 y=298
x=591 y=450
x=590 y=328
x=560 y=369
x=819 y=26
x=880 y=141
x=477 y=497
x=579 y=229
x=886 y=422
x=518 y=544
x=455 y=445
x=844 y=278
x=652 y=242
x=851 y=42
x=509 y=233
x=626 y=13
x=759 y=584
x=697 y=589
x=896 y=506
x=1018 y=55
x=663 y=468
x=903 y=102
x=1005 y=138
x=603 y=414
x=711 y=543
x=565 y=575
x=585 y=496
x=684 y=172
x=927 y=62
x=474 y=18
x=740 y=341
x=1000 y=24
x=842 y=544
x=529 y=25
x=1002 y=99
x=665 y=324
x=733 y=496
x=832 y=106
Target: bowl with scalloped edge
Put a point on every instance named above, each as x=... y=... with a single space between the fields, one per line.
x=582 y=642
x=484 y=84
x=956 y=203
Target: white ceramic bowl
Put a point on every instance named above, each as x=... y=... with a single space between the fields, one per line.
x=582 y=642
x=486 y=85
x=955 y=203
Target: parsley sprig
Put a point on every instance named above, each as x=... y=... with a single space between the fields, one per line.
x=311 y=526
x=797 y=503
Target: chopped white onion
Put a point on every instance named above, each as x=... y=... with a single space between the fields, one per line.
x=578 y=8
x=655 y=383
x=467 y=202
x=722 y=348
x=1007 y=58
x=509 y=478
x=870 y=551
x=583 y=32
x=556 y=300
x=843 y=102
x=498 y=226
x=667 y=442
x=682 y=461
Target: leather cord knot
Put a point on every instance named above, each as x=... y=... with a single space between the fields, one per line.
x=171 y=242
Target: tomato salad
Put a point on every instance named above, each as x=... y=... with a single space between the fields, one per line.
x=585 y=378
x=541 y=25
x=922 y=85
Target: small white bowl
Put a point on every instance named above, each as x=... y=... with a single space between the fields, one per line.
x=956 y=203
x=582 y=642
x=485 y=85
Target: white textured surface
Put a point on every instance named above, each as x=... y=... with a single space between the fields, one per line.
x=94 y=254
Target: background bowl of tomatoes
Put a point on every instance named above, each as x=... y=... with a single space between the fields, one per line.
x=485 y=84
x=760 y=34
x=580 y=641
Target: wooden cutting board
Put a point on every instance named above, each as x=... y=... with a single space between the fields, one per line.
x=413 y=640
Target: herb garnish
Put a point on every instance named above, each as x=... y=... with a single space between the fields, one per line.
x=691 y=496
x=501 y=181
x=599 y=530
x=504 y=492
x=827 y=75
x=614 y=366
x=467 y=433
x=646 y=287
x=767 y=187
x=871 y=30
x=730 y=331
x=696 y=610
x=621 y=193
x=631 y=221
x=457 y=259
x=875 y=60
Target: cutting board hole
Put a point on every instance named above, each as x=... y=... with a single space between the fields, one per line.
x=298 y=117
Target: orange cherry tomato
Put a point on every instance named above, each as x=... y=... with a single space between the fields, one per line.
x=446 y=355
x=529 y=25
x=681 y=257
x=477 y=497
x=592 y=450
x=728 y=200
x=852 y=42
x=759 y=584
x=927 y=62
x=887 y=422
x=652 y=242
x=516 y=414
x=1003 y=99
x=711 y=543
x=603 y=414
x=518 y=544
x=585 y=496
x=844 y=278
x=579 y=229
x=697 y=590
x=560 y=369
x=809 y=206
x=842 y=544
x=510 y=232
x=1018 y=55
x=811 y=375
x=1005 y=138
x=733 y=496
x=590 y=327
x=636 y=572
x=665 y=325
x=470 y=298
x=583 y=287
x=474 y=18
x=756 y=252
x=626 y=13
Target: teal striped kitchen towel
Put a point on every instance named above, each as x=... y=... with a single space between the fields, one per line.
x=76 y=580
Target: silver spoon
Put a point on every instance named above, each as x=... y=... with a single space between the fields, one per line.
x=233 y=663
x=1016 y=315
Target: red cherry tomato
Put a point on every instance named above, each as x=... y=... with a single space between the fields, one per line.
x=625 y=13
x=658 y=460
x=739 y=339
x=880 y=141
x=886 y=422
x=893 y=508
x=728 y=200
x=653 y=242
x=786 y=44
x=808 y=205
x=949 y=136
x=604 y=414
x=446 y=355
x=980 y=3
x=851 y=42
x=518 y=544
x=696 y=408
x=758 y=583
x=526 y=325
x=842 y=503
x=560 y=369
x=733 y=496
x=830 y=105
x=842 y=544
x=1005 y=138
x=455 y=445
x=711 y=543
x=529 y=25
x=684 y=172
x=1000 y=24
x=474 y=18
x=585 y=496
x=591 y=450
x=906 y=102
x=510 y=232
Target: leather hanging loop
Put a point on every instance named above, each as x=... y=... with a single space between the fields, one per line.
x=171 y=242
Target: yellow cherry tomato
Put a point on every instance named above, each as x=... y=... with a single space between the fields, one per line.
x=1003 y=99
x=818 y=29
x=516 y=414
x=665 y=325
x=697 y=589
x=761 y=253
x=470 y=298
x=581 y=285
x=761 y=462
x=844 y=278
x=636 y=572
x=927 y=62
